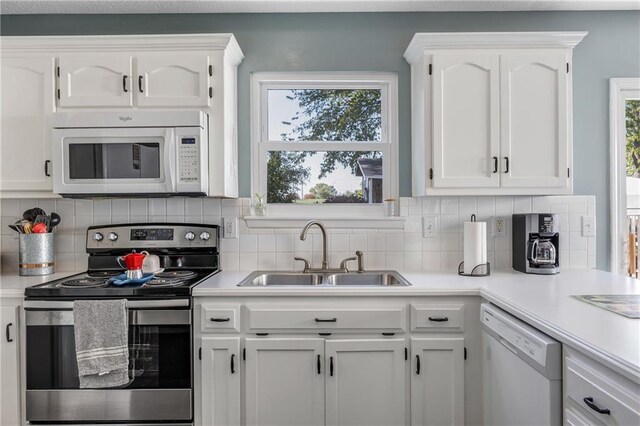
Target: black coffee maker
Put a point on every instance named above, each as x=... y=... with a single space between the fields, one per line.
x=536 y=243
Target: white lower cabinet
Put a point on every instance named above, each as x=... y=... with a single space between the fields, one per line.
x=221 y=381
x=437 y=381
x=273 y=366
x=285 y=381
x=9 y=367
x=365 y=382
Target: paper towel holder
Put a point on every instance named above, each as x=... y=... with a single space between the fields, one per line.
x=481 y=270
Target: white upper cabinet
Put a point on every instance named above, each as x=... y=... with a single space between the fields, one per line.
x=95 y=81
x=27 y=105
x=45 y=75
x=173 y=81
x=491 y=113
x=535 y=117
x=466 y=110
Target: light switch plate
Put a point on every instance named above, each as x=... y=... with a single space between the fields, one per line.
x=230 y=227
x=588 y=226
x=430 y=226
x=499 y=226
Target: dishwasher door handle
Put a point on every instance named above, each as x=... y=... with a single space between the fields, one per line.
x=508 y=345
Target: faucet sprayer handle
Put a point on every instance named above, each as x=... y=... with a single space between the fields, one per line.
x=360 y=262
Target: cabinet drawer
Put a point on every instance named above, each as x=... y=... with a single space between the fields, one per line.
x=389 y=319
x=592 y=392
x=571 y=418
x=442 y=318
x=220 y=318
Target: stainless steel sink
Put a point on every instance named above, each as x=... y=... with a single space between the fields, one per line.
x=372 y=278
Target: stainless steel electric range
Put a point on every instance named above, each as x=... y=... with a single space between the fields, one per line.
x=160 y=332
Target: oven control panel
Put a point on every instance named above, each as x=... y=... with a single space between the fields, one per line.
x=189 y=159
x=158 y=235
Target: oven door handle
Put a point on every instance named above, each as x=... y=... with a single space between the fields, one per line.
x=131 y=304
x=136 y=317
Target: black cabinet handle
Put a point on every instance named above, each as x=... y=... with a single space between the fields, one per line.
x=233 y=363
x=318 y=365
x=140 y=84
x=495 y=164
x=589 y=401
x=326 y=319
x=417 y=364
x=47 y=172
x=8 y=332
x=506 y=159
x=220 y=319
x=439 y=319
x=124 y=83
x=331 y=366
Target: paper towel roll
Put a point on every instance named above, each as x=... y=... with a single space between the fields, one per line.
x=475 y=245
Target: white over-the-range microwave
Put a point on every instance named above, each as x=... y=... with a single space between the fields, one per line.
x=132 y=153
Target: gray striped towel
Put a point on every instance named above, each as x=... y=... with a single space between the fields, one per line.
x=101 y=335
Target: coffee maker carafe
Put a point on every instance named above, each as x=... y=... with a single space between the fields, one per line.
x=536 y=245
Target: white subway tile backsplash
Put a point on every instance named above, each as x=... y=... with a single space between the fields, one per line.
x=275 y=248
x=175 y=207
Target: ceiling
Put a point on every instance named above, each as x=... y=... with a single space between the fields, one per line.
x=14 y=7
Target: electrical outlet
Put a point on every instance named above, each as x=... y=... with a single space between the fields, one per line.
x=230 y=227
x=499 y=226
x=588 y=226
x=430 y=226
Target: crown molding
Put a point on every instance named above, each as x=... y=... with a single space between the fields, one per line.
x=493 y=40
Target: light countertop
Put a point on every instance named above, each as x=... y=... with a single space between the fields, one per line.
x=13 y=285
x=541 y=300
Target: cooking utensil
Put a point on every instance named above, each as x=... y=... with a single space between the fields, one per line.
x=26 y=226
x=16 y=228
x=33 y=213
x=40 y=228
x=55 y=221
x=43 y=219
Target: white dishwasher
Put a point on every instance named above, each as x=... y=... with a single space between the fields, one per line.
x=522 y=372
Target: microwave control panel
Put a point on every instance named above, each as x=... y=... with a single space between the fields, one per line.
x=189 y=159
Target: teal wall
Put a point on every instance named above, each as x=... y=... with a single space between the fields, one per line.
x=376 y=42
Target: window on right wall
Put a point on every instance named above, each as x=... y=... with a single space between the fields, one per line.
x=324 y=139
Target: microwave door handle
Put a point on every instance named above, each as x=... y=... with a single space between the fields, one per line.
x=171 y=158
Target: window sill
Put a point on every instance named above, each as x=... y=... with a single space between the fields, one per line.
x=377 y=222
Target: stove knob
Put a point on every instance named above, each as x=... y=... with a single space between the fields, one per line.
x=204 y=236
x=112 y=236
x=98 y=236
x=190 y=236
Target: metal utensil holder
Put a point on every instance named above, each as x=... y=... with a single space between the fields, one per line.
x=36 y=254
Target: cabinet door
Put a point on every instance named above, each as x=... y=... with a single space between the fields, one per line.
x=220 y=381
x=534 y=120
x=95 y=81
x=27 y=105
x=466 y=114
x=172 y=80
x=365 y=382
x=284 y=382
x=437 y=381
x=9 y=368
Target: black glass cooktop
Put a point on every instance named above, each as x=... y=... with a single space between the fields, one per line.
x=169 y=283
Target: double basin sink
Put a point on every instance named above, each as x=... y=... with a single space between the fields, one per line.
x=328 y=279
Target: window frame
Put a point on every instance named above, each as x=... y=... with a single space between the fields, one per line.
x=261 y=82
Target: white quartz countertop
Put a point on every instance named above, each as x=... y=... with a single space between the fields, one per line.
x=541 y=300
x=13 y=285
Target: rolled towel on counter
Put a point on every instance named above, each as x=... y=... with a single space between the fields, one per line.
x=475 y=245
x=102 y=342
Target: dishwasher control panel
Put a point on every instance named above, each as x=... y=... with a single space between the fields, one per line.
x=538 y=349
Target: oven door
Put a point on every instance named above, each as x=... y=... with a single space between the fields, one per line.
x=114 y=161
x=160 y=367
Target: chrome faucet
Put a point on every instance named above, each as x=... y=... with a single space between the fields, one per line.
x=325 y=262
x=303 y=236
